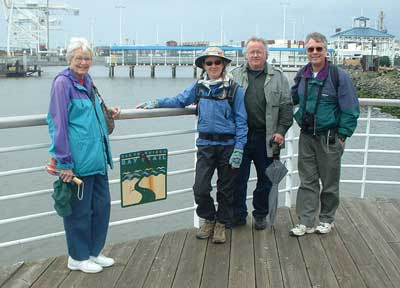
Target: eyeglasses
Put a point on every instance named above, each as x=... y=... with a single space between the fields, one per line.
x=216 y=63
x=312 y=49
x=80 y=59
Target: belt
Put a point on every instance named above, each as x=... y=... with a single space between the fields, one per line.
x=216 y=137
x=319 y=133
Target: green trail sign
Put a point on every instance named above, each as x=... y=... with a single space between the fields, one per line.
x=143 y=176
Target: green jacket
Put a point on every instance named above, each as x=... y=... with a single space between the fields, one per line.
x=279 y=107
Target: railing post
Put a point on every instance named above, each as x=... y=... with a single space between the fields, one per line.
x=196 y=219
x=289 y=166
x=366 y=147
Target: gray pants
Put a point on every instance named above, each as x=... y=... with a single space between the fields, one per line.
x=318 y=160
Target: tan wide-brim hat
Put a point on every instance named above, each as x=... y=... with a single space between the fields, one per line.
x=211 y=51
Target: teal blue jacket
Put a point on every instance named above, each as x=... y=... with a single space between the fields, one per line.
x=78 y=131
x=338 y=108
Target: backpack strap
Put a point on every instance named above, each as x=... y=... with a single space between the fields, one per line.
x=334 y=75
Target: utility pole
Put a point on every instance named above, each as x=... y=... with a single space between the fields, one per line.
x=48 y=26
x=120 y=7
x=284 y=5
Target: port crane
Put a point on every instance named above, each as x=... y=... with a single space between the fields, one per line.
x=29 y=22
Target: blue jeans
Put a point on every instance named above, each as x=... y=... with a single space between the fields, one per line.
x=256 y=151
x=86 y=228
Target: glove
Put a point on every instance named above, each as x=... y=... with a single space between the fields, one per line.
x=151 y=104
x=236 y=158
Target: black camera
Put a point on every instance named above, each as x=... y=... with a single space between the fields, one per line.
x=307 y=121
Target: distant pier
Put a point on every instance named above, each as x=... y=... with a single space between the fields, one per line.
x=289 y=59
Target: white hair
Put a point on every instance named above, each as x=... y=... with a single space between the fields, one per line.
x=77 y=43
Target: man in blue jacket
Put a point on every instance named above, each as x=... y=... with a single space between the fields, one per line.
x=327 y=114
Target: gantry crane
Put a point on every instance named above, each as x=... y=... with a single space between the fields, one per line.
x=29 y=22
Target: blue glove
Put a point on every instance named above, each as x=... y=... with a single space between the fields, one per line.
x=151 y=104
x=236 y=158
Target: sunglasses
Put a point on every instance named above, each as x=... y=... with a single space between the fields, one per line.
x=311 y=49
x=216 y=63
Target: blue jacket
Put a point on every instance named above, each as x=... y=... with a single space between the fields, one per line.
x=335 y=110
x=215 y=116
x=79 y=139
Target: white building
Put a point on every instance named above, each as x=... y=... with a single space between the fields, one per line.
x=362 y=40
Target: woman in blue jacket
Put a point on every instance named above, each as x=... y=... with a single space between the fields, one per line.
x=80 y=145
x=222 y=127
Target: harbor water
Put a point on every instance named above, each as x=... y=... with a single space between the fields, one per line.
x=25 y=96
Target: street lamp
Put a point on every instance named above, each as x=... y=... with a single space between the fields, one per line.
x=120 y=7
x=284 y=4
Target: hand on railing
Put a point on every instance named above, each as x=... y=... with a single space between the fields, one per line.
x=151 y=104
x=236 y=158
x=115 y=112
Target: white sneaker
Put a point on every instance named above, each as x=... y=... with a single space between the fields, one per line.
x=102 y=260
x=300 y=230
x=86 y=266
x=324 y=228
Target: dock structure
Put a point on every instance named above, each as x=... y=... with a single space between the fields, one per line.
x=177 y=56
x=363 y=250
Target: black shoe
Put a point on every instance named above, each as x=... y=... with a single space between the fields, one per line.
x=260 y=223
x=235 y=223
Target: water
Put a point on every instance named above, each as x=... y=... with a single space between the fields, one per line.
x=31 y=96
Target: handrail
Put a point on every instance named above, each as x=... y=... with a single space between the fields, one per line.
x=40 y=120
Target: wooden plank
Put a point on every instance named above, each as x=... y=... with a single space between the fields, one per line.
x=318 y=266
x=377 y=217
x=396 y=248
x=216 y=264
x=76 y=278
x=396 y=203
x=190 y=266
x=28 y=274
x=294 y=272
x=163 y=270
x=7 y=271
x=54 y=274
x=390 y=215
x=109 y=276
x=267 y=268
x=139 y=264
x=381 y=250
x=241 y=268
x=372 y=273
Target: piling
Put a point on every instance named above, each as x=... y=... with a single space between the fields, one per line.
x=173 y=69
x=111 y=70
x=194 y=72
x=132 y=71
x=152 y=71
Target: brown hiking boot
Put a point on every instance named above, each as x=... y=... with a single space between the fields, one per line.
x=219 y=233
x=206 y=230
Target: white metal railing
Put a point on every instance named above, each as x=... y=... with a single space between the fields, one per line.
x=39 y=120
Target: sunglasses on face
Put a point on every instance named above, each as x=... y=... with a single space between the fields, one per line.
x=311 y=49
x=216 y=63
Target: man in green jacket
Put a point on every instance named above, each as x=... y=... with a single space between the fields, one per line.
x=270 y=114
x=327 y=114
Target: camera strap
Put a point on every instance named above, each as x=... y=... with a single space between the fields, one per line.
x=318 y=96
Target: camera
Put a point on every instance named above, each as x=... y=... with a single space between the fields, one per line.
x=307 y=121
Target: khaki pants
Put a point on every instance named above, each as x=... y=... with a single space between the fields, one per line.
x=318 y=160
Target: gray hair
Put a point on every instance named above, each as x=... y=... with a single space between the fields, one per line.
x=77 y=43
x=256 y=39
x=317 y=37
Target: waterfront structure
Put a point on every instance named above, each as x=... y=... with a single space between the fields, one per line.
x=29 y=23
x=362 y=40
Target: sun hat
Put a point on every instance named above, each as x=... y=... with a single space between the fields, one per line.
x=211 y=51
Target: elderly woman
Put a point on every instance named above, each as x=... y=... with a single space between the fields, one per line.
x=81 y=147
x=222 y=127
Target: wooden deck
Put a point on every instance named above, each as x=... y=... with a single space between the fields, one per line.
x=363 y=250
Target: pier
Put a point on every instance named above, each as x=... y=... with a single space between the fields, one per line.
x=288 y=59
x=363 y=250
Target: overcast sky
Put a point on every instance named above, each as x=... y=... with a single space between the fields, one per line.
x=197 y=20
